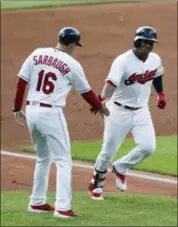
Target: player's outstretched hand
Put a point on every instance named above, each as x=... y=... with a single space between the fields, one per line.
x=104 y=110
x=20 y=118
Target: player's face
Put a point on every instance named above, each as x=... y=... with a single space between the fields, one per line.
x=146 y=46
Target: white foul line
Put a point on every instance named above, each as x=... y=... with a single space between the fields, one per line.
x=74 y=163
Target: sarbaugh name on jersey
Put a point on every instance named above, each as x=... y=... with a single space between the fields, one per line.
x=53 y=62
x=140 y=78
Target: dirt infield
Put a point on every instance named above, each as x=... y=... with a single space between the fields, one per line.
x=107 y=30
x=17 y=174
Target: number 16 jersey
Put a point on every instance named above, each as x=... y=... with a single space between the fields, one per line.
x=51 y=73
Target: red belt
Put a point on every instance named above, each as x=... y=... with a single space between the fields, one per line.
x=40 y=104
x=127 y=107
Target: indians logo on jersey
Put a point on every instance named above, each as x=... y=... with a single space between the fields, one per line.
x=140 y=78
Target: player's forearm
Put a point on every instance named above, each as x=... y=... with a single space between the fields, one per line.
x=19 y=94
x=91 y=98
x=108 y=90
x=158 y=84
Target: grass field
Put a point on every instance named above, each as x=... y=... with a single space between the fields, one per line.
x=115 y=210
x=163 y=161
x=15 y=5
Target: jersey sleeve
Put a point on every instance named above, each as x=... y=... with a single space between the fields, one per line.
x=116 y=72
x=160 y=69
x=25 y=70
x=78 y=80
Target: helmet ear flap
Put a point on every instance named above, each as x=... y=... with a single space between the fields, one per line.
x=137 y=43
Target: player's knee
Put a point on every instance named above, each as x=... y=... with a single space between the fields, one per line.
x=149 y=148
x=44 y=161
x=63 y=162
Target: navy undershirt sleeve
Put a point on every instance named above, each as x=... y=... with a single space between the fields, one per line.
x=158 y=84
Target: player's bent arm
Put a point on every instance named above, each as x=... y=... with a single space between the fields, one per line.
x=19 y=94
x=106 y=94
x=114 y=78
x=108 y=90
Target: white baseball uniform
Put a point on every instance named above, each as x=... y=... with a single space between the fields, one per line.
x=51 y=74
x=133 y=79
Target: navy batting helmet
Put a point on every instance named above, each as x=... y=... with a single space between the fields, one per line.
x=146 y=33
x=69 y=35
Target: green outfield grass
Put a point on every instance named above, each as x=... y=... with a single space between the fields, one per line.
x=115 y=210
x=14 y=5
x=163 y=161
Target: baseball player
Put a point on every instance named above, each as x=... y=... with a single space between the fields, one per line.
x=50 y=74
x=126 y=93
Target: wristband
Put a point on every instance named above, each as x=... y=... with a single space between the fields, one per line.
x=161 y=94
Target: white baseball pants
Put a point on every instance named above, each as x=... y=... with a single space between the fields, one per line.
x=50 y=137
x=120 y=122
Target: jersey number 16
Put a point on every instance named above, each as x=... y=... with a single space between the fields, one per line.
x=46 y=85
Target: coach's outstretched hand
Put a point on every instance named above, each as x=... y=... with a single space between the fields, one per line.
x=103 y=111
